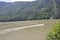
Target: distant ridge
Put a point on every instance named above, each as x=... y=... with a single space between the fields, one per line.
x=35 y=10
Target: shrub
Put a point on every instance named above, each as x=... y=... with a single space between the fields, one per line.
x=54 y=33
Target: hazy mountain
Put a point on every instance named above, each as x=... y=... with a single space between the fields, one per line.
x=39 y=9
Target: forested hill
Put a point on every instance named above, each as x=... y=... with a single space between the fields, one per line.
x=36 y=10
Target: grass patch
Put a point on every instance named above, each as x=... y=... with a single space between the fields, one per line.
x=55 y=32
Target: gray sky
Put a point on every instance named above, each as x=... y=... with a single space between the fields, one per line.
x=15 y=0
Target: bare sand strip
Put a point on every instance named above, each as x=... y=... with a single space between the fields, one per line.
x=18 y=28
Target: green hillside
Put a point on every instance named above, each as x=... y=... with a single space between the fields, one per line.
x=36 y=10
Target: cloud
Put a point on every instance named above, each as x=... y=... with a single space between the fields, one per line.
x=15 y=0
x=6 y=0
x=22 y=0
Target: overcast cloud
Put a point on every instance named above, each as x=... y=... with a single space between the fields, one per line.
x=15 y=0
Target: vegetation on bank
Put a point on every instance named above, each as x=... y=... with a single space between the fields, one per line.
x=55 y=33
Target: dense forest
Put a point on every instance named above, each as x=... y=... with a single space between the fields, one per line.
x=35 y=10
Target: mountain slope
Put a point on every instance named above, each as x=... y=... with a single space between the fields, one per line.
x=39 y=9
